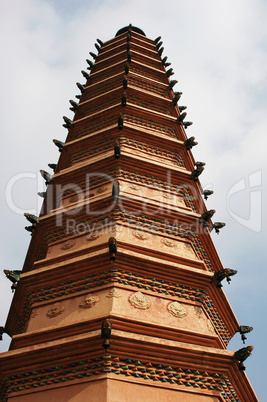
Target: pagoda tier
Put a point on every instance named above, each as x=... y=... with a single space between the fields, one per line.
x=118 y=299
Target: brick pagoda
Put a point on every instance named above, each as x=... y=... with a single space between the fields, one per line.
x=120 y=296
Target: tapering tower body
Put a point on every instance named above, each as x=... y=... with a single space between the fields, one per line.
x=120 y=297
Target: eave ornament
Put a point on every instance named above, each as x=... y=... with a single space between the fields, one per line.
x=113 y=293
x=93 y=236
x=140 y=301
x=55 y=310
x=89 y=301
x=177 y=309
x=68 y=244
x=140 y=235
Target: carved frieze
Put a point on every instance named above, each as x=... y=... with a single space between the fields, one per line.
x=177 y=309
x=93 y=236
x=139 y=300
x=116 y=229
x=168 y=196
x=89 y=301
x=55 y=310
x=34 y=313
x=140 y=235
x=74 y=198
x=102 y=189
x=68 y=244
x=113 y=293
x=133 y=186
x=168 y=242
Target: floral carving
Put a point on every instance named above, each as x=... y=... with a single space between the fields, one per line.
x=140 y=235
x=113 y=293
x=68 y=244
x=168 y=242
x=186 y=250
x=133 y=186
x=89 y=301
x=167 y=195
x=116 y=229
x=93 y=236
x=101 y=189
x=199 y=311
x=55 y=310
x=140 y=301
x=177 y=309
x=73 y=198
x=34 y=313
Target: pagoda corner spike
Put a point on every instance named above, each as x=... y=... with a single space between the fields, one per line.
x=244 y=329
x=112 y=244
x=241 y=355
x=59 y=144
x=217 y=226
x=106 y=328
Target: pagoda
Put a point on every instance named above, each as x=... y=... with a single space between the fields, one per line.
x=121 y=294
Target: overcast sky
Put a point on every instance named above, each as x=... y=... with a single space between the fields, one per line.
x=218 y=53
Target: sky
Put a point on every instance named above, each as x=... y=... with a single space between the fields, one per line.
x=218 y=54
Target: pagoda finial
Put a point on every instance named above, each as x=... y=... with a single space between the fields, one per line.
x=133 y=28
